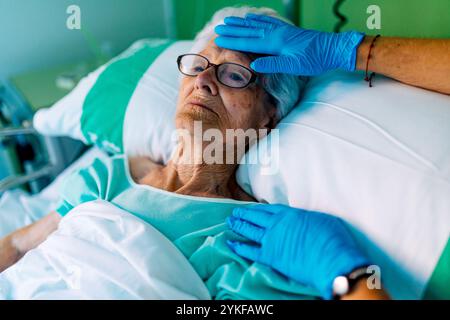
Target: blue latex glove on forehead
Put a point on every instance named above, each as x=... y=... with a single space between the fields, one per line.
x=312 y=248
x=293 y=50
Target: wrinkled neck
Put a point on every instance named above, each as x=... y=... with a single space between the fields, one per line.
x=199 y=175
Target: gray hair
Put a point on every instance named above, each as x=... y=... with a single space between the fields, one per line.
x=285 y=89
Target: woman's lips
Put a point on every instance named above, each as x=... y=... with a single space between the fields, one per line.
x=201 y=104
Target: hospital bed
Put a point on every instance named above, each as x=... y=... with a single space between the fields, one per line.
x=55 y=163
x=45 y=157
x=51 y=155
x=30 y=160
x=54 y=154
x=19 y=208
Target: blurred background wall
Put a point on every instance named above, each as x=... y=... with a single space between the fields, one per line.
x=413 y=18
x=408 y=18
x=33 y=33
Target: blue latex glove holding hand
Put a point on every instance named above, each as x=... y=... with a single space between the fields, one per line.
x=310 y=247
x=294 y=50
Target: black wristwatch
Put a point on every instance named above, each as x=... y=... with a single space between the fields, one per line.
x=343 y=285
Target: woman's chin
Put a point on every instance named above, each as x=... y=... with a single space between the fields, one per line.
x=199 y=118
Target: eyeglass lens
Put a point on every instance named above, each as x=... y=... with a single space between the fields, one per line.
x=229 y=74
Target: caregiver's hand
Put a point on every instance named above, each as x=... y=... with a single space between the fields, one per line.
x=310 y=247
x=295 y=50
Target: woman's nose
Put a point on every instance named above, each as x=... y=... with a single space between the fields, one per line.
x=206 y=81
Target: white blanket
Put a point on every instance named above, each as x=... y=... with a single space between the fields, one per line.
x=18 y=208
x=102 y=252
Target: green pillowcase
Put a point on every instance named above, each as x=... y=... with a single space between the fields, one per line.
x=125 y=105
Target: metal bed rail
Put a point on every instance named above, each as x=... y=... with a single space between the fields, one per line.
x=21 y=179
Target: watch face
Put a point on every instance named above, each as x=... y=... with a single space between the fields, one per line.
x=340 y=286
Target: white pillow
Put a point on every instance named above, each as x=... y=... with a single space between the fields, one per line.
x=377 y=157
x=126 y=105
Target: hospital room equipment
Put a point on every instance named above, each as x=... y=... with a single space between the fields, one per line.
x=47 y=158
x=35 y=159
x=377 y=141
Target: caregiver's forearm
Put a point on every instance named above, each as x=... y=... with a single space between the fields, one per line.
x=14 y=246
x=423 y=63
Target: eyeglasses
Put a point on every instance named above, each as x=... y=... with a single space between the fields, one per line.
x=229 y=74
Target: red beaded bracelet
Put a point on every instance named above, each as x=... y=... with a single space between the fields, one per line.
x=369 y=78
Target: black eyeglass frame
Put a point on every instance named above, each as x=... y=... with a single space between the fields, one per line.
x=216 y=66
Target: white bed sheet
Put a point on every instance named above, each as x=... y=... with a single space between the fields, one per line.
x=18 y=208
x=103 y=252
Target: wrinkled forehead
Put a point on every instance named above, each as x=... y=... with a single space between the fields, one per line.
x=218 y=55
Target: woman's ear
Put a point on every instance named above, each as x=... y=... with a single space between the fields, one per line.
x=271 y=118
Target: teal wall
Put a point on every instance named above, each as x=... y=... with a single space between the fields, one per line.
x=33 y=33
x=193 y=14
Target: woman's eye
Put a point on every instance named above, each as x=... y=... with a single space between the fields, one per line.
x=198 y=69
x=236 y=77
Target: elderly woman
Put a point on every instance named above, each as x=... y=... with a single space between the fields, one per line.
x=189 y=200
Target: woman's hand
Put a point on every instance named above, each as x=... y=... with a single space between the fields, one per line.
x=9 y=254
x=14 y=246
x=310 y=247
x=295 y=50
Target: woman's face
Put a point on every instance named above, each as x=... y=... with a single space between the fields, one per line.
x=203 y=98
